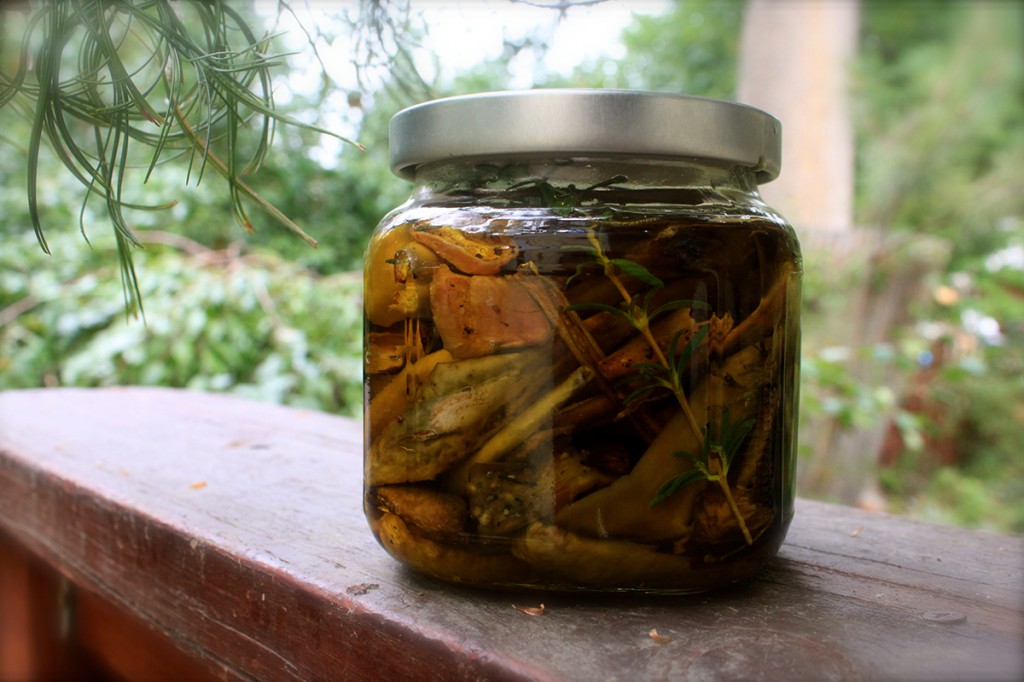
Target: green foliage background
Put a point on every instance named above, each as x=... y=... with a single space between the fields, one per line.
x=940 y=151
x=940 y=115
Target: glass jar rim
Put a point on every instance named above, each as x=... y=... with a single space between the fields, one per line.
x=580 y=122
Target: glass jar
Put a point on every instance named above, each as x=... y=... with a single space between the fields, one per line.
x=582 y=343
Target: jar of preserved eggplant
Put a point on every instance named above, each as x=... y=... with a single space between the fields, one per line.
x=582 y=343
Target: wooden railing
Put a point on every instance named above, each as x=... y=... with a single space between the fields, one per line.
x=159 y=534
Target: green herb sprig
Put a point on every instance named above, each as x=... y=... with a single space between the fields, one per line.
x=652 y=376
x=96 y=79
x=564 y=201
x=635 y=310
x=712 y=464
x=717 y=445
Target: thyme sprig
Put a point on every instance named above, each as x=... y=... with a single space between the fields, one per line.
x=564 y=201
x=652 y=376
x=717 y=444
x=97 y=79
x=636 y=311
x=712 y=464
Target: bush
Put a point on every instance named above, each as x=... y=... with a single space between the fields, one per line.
x=246 y=323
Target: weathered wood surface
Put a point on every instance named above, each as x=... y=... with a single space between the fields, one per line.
x=233 y=530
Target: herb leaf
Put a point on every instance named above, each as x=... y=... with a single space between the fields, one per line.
x=603 y=307
x=676 y=483
x=692 y=345
x=733 y=435
x=638 y=271
x=675 y=305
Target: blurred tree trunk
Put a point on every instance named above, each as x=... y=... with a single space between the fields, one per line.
x=795 y=58
x=795 y=62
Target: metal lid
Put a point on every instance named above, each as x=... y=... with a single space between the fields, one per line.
x=581 y=122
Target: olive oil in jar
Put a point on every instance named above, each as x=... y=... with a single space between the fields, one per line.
x=581 y=366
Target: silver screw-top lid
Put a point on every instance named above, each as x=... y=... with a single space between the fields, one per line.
x=581 y=123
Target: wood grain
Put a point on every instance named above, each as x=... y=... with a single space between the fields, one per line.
x=233 y=532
